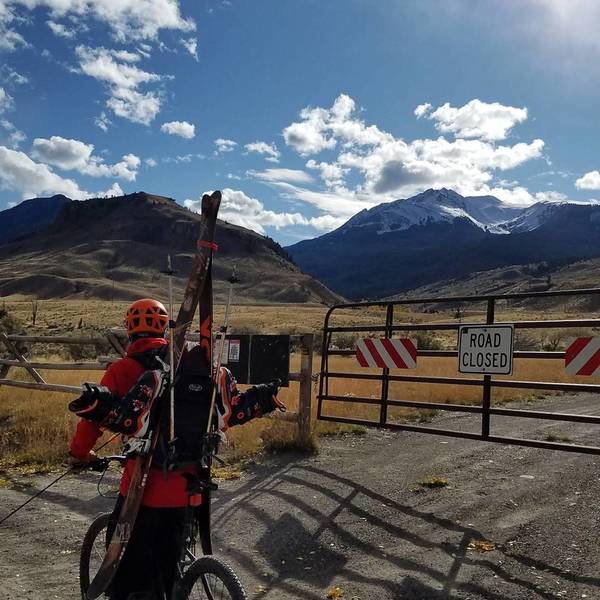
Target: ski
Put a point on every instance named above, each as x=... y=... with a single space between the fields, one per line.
x=205 y=313
x=197 y=281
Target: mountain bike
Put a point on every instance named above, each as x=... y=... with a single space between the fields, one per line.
x=204 y=578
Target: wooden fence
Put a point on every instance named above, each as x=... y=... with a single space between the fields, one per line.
x=116 y=339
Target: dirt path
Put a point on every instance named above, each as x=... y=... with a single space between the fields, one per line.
x=348 y=517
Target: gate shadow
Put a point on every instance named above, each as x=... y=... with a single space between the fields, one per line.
x=301 y=560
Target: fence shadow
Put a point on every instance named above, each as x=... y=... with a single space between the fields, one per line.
x=313 y=526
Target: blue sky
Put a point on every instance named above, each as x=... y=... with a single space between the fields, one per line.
x=303 y=111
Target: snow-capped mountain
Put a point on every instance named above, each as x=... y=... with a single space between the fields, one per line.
x=438 y=234
x=435 y=206
x=542 y=213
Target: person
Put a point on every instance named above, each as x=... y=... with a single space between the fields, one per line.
x=148 y=567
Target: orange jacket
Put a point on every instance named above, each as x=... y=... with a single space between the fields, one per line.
x=163 y=490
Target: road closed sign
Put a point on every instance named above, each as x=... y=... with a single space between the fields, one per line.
x=486 y=349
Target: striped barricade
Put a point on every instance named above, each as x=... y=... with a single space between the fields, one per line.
x=387 y=353
x=582 y=356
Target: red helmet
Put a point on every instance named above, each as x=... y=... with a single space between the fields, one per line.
x=148 y=317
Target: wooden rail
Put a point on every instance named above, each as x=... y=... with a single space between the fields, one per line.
x=77 y=366
x=49 y=387
x=303 y=418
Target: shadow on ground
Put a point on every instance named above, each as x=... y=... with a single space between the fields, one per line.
x=303 y=527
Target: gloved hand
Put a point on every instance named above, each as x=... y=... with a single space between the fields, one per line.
x=82 y=461
x=95 y=403
x=275 y=385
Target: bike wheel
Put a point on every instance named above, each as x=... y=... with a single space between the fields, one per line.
x=209 y=578
x=93 y=550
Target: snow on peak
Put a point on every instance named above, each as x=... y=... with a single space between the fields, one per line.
x=445 y=206
x=434 y=206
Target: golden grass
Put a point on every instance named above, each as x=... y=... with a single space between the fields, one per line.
x=434 y=481
x=66 y=315
x=35 y=427
x=525 y=370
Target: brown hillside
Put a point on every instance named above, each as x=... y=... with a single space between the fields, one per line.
x=116 y=247
x=516 y=279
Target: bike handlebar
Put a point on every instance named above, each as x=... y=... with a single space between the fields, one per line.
x=101 y=463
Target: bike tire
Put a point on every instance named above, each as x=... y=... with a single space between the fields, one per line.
x=97 y=528
x=213 y=579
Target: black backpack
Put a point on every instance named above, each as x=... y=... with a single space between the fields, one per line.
x=193 y=392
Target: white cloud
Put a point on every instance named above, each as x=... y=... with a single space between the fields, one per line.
x=74 y=155
x=60 y=30
x=589 y=181
x=422 y=110
x=337 y=204
x=392 y=167
x=11 y=76
x=15 y=136
x=477 y=119
x=307 y=137
x=224 y=145
x=332 y=174
x=181 y=128
x=550 y=196
x=145 y=50
x=191 y=45
x=10 y=40
x=102 y=121
x=321 y=129
x=185 y=158
x=278 y=175
x=116 y=70
x=114 y=190
x=128 y=19
x=134 y=106
x=269 y=150
x=6 y=101
x=151 y=162
x=327 y=222
x=239 y=209
x=18 y=172
x=383 y=167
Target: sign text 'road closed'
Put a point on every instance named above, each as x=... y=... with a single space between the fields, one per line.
x=486 y=349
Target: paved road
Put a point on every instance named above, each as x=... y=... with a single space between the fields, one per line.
x=295 y=526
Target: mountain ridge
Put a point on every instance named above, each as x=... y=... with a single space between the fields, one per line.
x=440 y=235
x=116 y=248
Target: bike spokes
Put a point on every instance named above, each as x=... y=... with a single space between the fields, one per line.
x=210 y=587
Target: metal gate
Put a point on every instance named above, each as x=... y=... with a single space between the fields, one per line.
x=481 y=310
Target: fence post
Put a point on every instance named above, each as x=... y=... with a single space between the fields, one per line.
x=305 y=399
x=115 y=343
x=13 y=348
x=487 y=381
x=385 y=382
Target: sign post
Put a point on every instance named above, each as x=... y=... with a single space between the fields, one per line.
x=486 y=349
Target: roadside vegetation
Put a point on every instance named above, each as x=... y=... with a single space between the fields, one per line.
x=35 y=426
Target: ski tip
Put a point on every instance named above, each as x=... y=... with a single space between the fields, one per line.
x=210 y=203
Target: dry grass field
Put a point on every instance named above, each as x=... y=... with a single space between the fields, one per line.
x=35 y=427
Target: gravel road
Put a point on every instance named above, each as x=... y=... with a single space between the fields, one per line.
x=293 y=526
